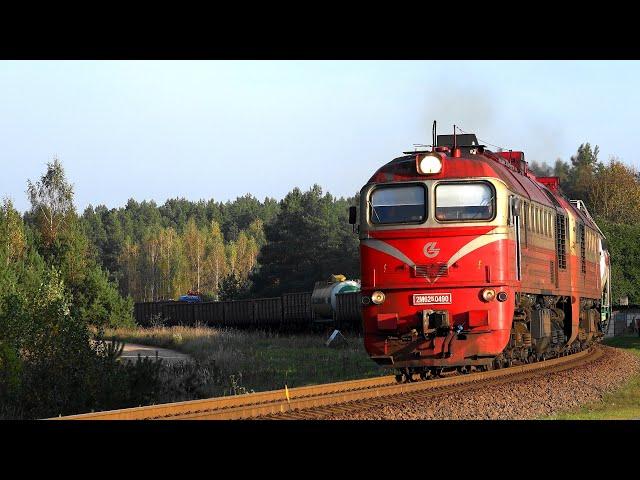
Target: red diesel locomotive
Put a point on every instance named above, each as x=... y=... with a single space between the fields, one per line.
x=470 y=261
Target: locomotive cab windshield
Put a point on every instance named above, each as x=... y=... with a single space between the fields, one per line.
x=398 y=204
x=456 y=201
x=464 y=201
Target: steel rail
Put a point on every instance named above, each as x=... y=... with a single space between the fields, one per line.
x=476 y=383
x=192 y=406
x=387 y=393
x=263 y=404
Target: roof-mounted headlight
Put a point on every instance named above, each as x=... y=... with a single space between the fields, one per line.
x=429 y=164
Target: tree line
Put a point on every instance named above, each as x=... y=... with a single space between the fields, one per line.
x=230 y=250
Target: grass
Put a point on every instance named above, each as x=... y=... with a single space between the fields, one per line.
x=258 y=360
x=622 y=404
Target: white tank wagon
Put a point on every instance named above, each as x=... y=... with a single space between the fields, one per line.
x=323 y=298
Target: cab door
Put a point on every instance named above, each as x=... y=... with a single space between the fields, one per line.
x=515 y=207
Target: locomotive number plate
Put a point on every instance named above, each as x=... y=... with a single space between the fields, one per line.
x=431 y=298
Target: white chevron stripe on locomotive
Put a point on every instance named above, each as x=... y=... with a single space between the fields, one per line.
x=473 y=245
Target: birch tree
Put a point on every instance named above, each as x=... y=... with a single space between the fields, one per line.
x=129 y=261
x=216 y=260
x=168 y=243
x=194 y=241
x=51 y=200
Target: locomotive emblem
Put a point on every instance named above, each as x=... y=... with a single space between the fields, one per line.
x=430 y=250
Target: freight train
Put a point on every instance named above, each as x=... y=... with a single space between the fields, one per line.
x=471 y=262
x=335 y=302
x=325 y=296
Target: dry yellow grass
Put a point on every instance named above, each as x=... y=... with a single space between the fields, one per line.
x=261 y=360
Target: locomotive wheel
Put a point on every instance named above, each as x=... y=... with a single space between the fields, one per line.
x=424 y=375
x=400 y=378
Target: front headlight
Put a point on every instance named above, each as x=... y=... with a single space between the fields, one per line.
x=429 y=164
x=488 y=294
x=377 y=297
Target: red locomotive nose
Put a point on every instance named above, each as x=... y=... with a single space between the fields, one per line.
x=467 y=258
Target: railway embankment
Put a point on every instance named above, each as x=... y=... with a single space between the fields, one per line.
x=349 y=398
x=620 y=404
x=544 y=396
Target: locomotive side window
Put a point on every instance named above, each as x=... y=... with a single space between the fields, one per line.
x=398 y=204
x=548 y=218
x=464 y=201
x=540 y=222
x=547 y=228
x=526 y=223
x=540 y=226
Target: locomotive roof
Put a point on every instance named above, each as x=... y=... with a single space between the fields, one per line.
x=484 y=164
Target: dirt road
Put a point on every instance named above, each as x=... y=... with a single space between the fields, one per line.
x=132 y=350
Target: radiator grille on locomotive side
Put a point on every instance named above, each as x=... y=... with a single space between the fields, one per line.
x=561 y=241
x=583 y=252
x=431 y=270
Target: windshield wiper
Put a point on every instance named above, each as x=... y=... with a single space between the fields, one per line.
x=373 y=209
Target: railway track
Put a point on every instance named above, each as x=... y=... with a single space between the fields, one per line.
x=320 y=400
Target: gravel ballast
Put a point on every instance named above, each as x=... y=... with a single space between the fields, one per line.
x=530 y=398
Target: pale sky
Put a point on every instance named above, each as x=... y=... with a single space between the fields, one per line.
x=154 y=130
